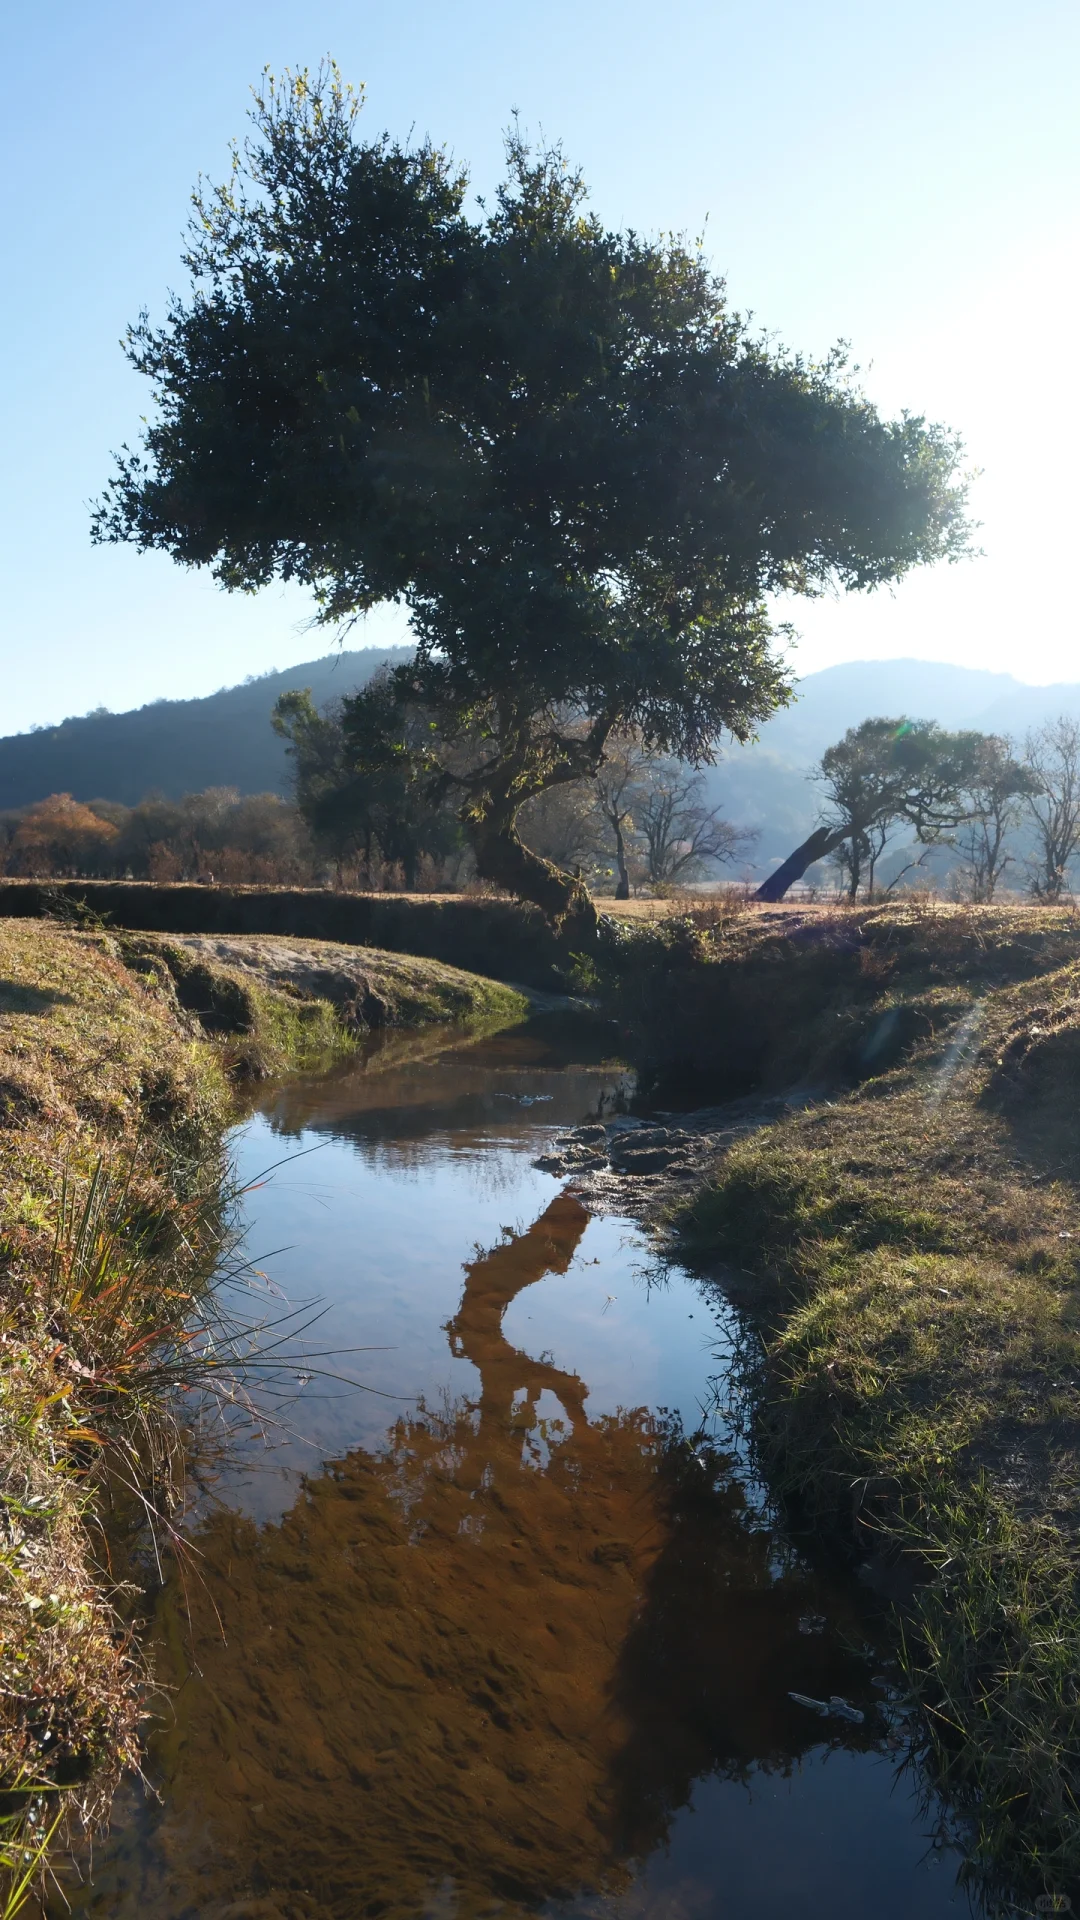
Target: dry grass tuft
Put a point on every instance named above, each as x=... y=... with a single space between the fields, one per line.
x=111 y=1113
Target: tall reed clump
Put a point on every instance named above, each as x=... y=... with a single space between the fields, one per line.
x=128 y=1316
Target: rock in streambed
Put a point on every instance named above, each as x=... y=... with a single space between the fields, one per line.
x=640 y=1166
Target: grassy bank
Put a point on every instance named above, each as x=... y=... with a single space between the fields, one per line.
x=116 y=1057
x=500 y=937
x=111 y=1115
x=908 y=1242
x=278 y=1004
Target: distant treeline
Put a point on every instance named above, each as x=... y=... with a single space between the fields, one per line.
x=901 y=803
x=896 y=792
x=215 y=835
x=643 y=822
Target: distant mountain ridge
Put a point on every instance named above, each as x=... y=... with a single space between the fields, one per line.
x=225 y=740
x=764 y=786
x=175 y=747
x=839 y=697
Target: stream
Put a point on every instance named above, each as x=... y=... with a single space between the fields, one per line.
x=508 y=1626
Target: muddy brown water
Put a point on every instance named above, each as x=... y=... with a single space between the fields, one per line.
x=519 y=1637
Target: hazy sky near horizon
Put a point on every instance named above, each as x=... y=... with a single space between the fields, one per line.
x=903 y=175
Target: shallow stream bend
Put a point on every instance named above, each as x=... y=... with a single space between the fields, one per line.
x=501 y=1642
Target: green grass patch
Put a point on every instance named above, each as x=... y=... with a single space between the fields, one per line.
x=911 y=1250
x=277 y=1005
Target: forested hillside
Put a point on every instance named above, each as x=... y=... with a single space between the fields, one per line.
x=175 y=747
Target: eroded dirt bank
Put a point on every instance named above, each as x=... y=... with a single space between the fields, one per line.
x=496 y=937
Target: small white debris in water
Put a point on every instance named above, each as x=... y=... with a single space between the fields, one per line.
x=844 y=1710
x=835 y=1705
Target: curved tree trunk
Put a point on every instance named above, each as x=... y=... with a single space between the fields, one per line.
x=823 y=840
x=503 y=858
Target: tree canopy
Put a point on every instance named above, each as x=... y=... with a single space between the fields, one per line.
x=555 y=444
x=358 y=781
x=889 y=770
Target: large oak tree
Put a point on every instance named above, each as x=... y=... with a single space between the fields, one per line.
x=556 y=445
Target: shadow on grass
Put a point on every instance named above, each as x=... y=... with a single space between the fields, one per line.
x=17 y=997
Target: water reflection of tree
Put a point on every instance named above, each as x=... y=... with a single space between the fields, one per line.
x=725 y=1631
x=446 y=1668
x=405 y=1083
x=400 y=1121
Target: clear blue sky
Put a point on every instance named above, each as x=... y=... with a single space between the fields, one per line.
x=902 y=173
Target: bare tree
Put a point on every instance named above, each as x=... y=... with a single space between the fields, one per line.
x=681 y=838
x=645 y=810
x=1052 y=754
x=996 y=792
x=619 y=790
x=560 y=825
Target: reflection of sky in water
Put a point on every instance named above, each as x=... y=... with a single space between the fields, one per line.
x=374 y=1232
x=838 y=1838
x=381 y=1249
x=418 y=1172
